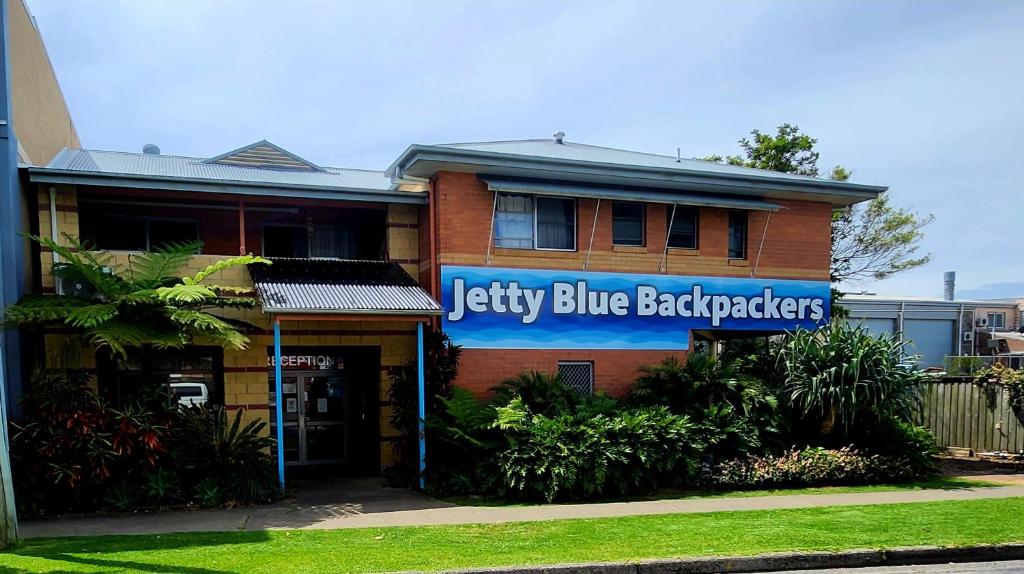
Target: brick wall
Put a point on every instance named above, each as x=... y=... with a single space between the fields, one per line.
x=796 y=246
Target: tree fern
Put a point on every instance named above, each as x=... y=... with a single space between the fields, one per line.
x=143 y=304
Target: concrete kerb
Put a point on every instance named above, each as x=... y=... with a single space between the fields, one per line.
x=918 y=555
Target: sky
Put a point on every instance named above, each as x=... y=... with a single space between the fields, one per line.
x=922 y=96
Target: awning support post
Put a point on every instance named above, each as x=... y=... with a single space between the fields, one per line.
x=490 y=234
x=593 y=228
x=241 y=228
x=760 y=245
x=668 y=235
x=422 y=392
x=278 y=410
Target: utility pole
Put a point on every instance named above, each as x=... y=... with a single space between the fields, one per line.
x=9 y=200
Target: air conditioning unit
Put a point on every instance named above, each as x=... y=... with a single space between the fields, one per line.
x=981 y=322
x=74 y=287
x=968 y=336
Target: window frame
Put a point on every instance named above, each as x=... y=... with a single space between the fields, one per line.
x=643 y=223
x=533 y=204
x=991 y=320
x=670 y=221
x=746 y=235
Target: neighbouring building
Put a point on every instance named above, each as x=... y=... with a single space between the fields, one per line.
x=543 y=255
x=42 y=126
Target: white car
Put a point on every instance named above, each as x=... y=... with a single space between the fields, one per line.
x=190 y=394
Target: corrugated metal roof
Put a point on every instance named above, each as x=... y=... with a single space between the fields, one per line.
x=340 y=287
x=564 y=189
x=172 y=166
x=584 y=152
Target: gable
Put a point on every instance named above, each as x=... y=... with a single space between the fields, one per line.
x=263 y=154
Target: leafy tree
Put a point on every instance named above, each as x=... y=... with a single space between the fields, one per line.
x=143 y=303
x=872 y=240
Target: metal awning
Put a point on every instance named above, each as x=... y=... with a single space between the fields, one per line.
x=563 y=189
x=340 y=287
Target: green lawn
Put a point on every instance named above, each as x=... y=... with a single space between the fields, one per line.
x=931 y=483
x=948 y=523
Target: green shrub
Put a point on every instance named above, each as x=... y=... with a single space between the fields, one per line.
x=441 y=362
x=70 y=449
x=811 y=467
x=462 y=445
x=843 y=376
x=569 y=457
x=735 y=413
x=207 y=450
x=541 y=393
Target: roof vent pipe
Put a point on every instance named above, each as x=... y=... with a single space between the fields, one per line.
x=151 y=149
x=948 y=285
x=559 y=136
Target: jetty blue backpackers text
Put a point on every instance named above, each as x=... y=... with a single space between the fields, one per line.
x=503 y=308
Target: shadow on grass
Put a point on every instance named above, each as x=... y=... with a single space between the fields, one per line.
x=90 y=551
x=937 y=482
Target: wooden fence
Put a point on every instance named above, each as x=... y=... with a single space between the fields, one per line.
x=965 y=415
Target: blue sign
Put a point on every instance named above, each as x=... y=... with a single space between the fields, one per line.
x=500 y=308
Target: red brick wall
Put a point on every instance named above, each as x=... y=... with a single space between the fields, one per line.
x=796 y=246
x=614 y=371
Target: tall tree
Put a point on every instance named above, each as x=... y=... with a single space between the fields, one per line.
x=871 y=240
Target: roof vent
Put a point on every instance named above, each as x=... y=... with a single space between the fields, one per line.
x=559 y=136
x=151 y=149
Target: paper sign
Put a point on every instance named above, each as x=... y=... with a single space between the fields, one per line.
x=288 y=388
x=321 y=405
x=292 y=404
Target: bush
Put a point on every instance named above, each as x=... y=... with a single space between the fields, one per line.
x=441 y=363
x=735 y=413
x=842 y=376
x=811 y=467
x=218 y=462
x=71 y=450
x=568 y=457
x=463 y=446
x=541 y=393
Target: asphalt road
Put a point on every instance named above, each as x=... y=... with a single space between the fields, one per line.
x=967 y=568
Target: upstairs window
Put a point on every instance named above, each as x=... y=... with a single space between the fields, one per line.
x=513 y=221
x=525 y=222
x=285 y=241
x=683 y=227
x=114 y=233
x=556 y=223
x=997 y=320
x=628 y=223
x=737 y=235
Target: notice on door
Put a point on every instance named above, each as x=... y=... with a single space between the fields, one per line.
x=321 y=405
x=292 y=404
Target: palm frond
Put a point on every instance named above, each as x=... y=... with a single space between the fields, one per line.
x=117 y=336
x=185 y=293
x=91 y=315
x=77 y=262
x=152 y=269
x=223 y=264
x=41 y=309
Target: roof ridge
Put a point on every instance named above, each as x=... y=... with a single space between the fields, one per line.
x=202 y=160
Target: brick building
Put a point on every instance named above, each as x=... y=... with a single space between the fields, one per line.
x=534 y=255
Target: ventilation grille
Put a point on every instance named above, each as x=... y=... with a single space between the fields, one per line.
x=577 y=375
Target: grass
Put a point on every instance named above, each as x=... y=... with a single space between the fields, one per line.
x=931 y=483
x=431 y=548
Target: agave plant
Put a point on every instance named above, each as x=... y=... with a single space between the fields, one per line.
x=143 y=303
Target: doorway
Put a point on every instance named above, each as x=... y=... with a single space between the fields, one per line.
x=331 y=415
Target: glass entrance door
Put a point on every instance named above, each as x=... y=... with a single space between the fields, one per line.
x=315 y=418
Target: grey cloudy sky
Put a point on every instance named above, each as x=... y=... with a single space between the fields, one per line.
x=923 y=96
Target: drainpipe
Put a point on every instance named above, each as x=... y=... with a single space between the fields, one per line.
x=53 y=235
x=960 y=332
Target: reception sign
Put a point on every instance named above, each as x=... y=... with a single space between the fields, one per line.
x=500 y=308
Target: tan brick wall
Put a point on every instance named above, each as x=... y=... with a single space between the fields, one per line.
x=403 y=237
